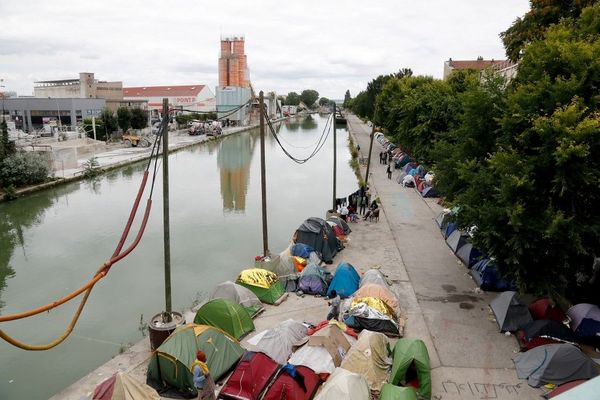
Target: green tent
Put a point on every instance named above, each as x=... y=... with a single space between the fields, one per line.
x=264 y=284
x=391 y=392
x=171 y=362
x=226 y=315
x=407 y=353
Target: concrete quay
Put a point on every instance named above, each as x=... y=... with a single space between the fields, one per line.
x=470 y=359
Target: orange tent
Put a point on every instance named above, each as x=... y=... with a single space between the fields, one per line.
x=374 y=290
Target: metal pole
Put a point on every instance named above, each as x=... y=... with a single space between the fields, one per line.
x=263 y=174
x=369 y=159
x=166 y=229
x=334 y=157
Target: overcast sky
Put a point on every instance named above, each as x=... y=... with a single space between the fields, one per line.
x=329 y=46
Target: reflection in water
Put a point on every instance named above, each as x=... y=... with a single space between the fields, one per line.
x=308 y=123
x=235 y=155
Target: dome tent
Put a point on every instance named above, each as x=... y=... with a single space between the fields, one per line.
x=264 y=284
x=225 y=315
x=238 y=294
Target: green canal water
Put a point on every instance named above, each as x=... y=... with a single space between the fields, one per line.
x=53 y=241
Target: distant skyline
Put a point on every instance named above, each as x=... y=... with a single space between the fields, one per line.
x=326 y=46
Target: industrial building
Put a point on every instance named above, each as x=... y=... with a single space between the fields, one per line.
x=196 y=98
x=30 y=113
x=505 y=68
x=233 y=63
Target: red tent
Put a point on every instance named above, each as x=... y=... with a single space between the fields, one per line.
x=288 y=388
x=543 y=309
x=250 y=377
x=525 y=344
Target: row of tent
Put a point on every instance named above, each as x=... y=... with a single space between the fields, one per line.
x=482 y=269
x=550 y=353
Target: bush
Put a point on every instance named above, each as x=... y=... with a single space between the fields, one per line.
x=21 y=169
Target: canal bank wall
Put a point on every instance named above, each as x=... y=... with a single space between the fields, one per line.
x=469 y=358
x=120 y=157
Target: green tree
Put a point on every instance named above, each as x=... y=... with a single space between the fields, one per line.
x=323 y=101
x=124 y=118
x=7 y=147
x=109 y=122
x=139 y=118
x=309 y=97
x=292 y=99
x=347 y=99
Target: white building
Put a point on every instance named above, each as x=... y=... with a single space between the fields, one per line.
x=195 y=98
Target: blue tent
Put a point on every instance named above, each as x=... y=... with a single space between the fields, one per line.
x=313 y=280
x=430 y=192
x=487 y=277
x=345 y=281
x=301 y=250
x=469 y=255
x=448 y=229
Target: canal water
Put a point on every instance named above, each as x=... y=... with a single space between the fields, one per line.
x=53 y=241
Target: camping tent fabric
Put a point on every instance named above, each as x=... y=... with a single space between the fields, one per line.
x=369 y=357
x=343 y=224
x=313 y=280
x=279 y=341
x=375 y=303
x=407 y=352
x=448 y=229
x=301 y=250
x=316 y=358
x=585 y=319
x=361 y=316
x=345 y=385
x=509 y=312
x=345 y=280
x=544 y=309
x=170 y=364
x=468 y=254
x=487 y=277
x=264 y=284
x=225 y=315
x=583 y=390
x=430 y=192
x=381 y=292
x=121 y=386
x=456 y=240
x=317 y=233
x=250 y=377
x=554 y=363
x=285 y=387
x=238 y=294
x=550 y=329
x=374 y=276
x=392 y=392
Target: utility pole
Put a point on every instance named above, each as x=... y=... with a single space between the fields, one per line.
x=263 y=181
x=94 y=126
x=166 y=228
x=369 y=159
x=334 y=158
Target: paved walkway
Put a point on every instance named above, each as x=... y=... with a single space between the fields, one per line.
x=470 y=359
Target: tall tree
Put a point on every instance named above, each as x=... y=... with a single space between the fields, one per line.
x=347 y=98
x=139 y=118
x=323 y=101
x=109 y=121
x=124 y=118
x=309 y=96
x=292 y=99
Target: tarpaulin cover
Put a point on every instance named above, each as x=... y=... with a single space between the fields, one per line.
x=238 y=294
x=301 y=250
x=407 y=352
x=374 y=303
x=380 y=292
x=225 y=315
x=170 y=365
x=544 y=309
x=250 y=377
x=345 y=281
x=370 y=358
x=510 y=313
x=279 y=341
x=285 y=387
x=121 y=386
x=345 y=385
x=392 y=392
x=554 y=363
x=257 y=277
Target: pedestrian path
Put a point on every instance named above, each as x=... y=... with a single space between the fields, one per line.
x=470 y=359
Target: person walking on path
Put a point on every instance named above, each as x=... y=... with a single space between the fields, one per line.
x=358 y=148
x=381 y=157
x=389 y=171
x=363 y=203
x=202 y=380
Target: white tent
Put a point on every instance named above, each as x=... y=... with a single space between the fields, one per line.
x=344 y=385
x=278 y=342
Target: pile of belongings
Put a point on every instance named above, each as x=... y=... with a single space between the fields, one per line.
x=320 y=236
x=257 y=376
x=226 y=315
x=238 y=294
x=264 y=284
x=373 y=306
x=171 y=364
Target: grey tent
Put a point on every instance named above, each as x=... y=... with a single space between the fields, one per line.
x=510 y=313
x=342 y=224
x=554 y=363
x=279 y=341
x=317 y=233
x=456 y=240
x=468 y=254
x=443 y=218
x=238 y=294
x=374 y=276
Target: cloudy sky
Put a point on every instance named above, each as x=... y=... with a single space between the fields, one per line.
x=329 y=46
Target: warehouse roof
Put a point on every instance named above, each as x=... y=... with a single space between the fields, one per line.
x=166 y=91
